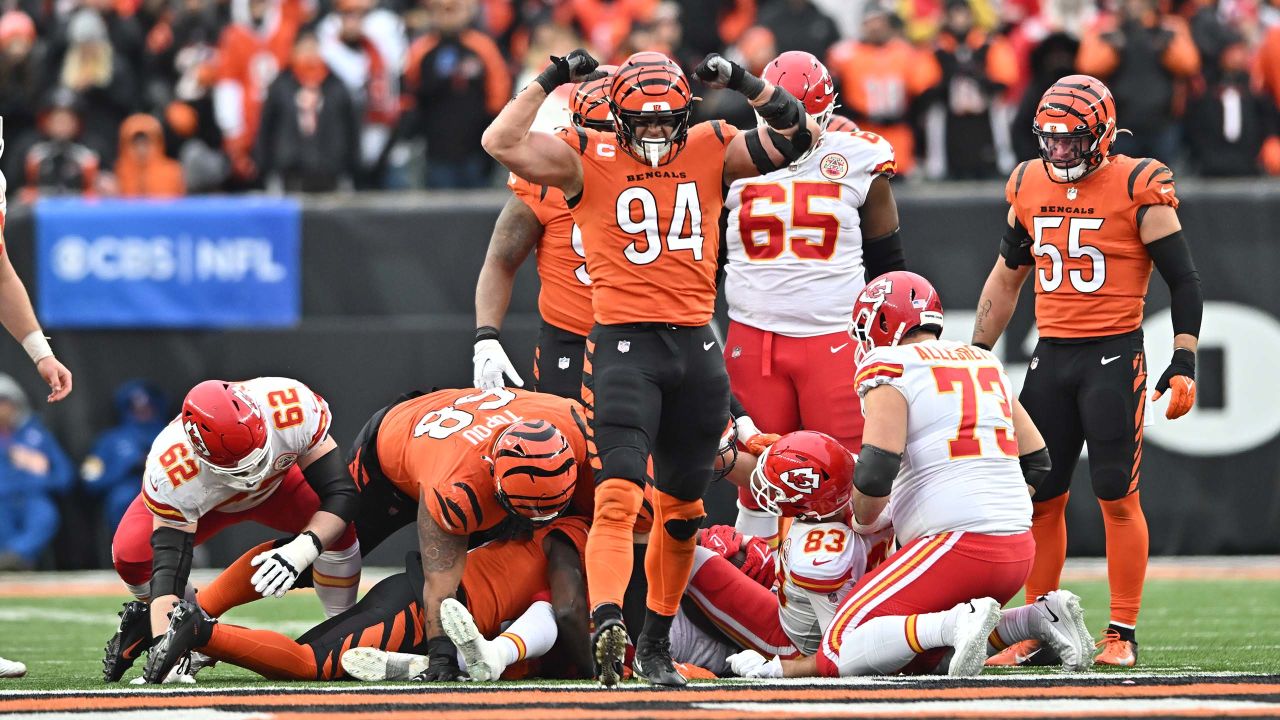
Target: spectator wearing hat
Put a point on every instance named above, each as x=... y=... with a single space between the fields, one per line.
x=104 y=86
x=58 y=163
x=143 y=169
x=112 y=471
x=33 y=469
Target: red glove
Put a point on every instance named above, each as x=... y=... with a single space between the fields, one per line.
x=759 y=565
x=724 y=540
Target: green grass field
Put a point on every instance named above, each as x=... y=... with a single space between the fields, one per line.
x=1187 y=626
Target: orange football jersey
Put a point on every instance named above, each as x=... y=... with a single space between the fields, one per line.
x=433 y=447
x=1091 y=269
x=651 y=234
x=565 y=297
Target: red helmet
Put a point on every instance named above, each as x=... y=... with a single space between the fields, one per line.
x=805 y=475
x=1075 y=124
x=802 y=75
x=589 y=101
x=891 y=306
x=534 y=470
x=227 y=432
x=840 y=123
x=649 y=88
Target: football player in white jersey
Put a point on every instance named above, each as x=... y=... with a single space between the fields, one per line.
x=799 y=241
x=254 y=450
x=946 y=439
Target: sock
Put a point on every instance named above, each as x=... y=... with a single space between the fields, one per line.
x=878 y=646
x=530 y=636
x=141 y=592
x=669 y=560
x=1049 y=528
x=267 y=653
x=608 y=553
x=336 y=574
x=1127 y=544
x=1126 y=633
x=926 y=631
x=754 y=521
x=657 y=625
x=1015 y=626
x=232 y=587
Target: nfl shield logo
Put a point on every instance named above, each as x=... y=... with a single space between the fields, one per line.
x=624 y=346
x=563 y=364
x=737 y=352
x=1071 y=193
x=1034 y=362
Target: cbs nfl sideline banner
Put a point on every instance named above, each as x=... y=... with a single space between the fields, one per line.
x=190 y=263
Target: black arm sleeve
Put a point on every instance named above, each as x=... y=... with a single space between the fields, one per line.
x=883 y=254
x=876 y=471
x=735 y=407
x=171 y=564
x=328 y=476
x=1015 y=246
x=1172 y=257
x=1035 y=467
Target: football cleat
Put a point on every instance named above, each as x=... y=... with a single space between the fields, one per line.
x=1059 y=625
x=1019 y=653
x=374 y=665
x=653 y=662
x=483 y=659
x=1116 y=650
x=188 y=630
x=974 y=622
x=609 y=644
x=133 y=635
x=11 y=668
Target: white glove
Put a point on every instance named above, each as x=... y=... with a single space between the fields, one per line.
x=489 y=363
x=751 y=664
x=282 y=566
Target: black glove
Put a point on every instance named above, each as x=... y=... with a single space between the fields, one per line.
x=577 y=66
x=443 y=663
x=718 y=72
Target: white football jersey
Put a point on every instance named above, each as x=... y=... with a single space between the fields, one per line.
x=960 y=469
x=817 y=566
x=794 y=237
x=179 y=489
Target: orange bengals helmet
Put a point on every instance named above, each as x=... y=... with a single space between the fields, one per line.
x=650 y=89
x=534 y=471
x=589 y=102
x=1075 y=124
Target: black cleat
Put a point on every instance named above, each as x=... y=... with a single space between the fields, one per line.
x=653 y=662
x=609 y=644
x=188 y=629
x=131 y=638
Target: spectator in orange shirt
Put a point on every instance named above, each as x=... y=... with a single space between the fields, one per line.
x=880 y=77
x=142 y=168
x=1143 y=55
x=976 y=69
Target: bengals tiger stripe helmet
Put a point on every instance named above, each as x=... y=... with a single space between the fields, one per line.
x=534 y=470
x=805 y=475
x=589 y=102
x=1075 y=124
x=649 y=88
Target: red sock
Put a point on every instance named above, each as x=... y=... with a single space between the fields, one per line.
x=1127 y=544
x=267 y=653
x=232 y=587
x=1049 y=528
x=608 y=554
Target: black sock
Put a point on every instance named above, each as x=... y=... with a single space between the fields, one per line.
x=606 y=611
x=1128 y=634
x=657 y=626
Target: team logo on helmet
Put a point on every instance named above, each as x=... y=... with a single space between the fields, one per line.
x=834 y=166
x=802 y=480
x=197 y=441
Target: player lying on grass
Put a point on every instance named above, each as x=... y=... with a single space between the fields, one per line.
x=945 y=439
x=535 y=580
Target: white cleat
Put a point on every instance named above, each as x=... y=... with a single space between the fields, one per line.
x=484 y=663
x=1060 y=624
x=374 y=665
x=12 y=669
x=976 y=619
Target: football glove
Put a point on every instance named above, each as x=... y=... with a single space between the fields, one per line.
x=443 y=663
x=1180 y=377
x=751 y=438
x=489 y=363
x=578 y=66
x=717 y=72
x=751 y=664
x=759 y=565
x=280 y=567
x=723 y=540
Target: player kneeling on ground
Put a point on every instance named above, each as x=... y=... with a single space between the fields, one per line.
x=945 y=439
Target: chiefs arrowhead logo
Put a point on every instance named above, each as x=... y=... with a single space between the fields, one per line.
x=803 y=480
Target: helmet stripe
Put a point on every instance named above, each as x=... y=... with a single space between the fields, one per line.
x=550 y=499
x=535 y=471
x=537 y=432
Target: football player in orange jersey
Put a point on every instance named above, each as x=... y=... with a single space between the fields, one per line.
x=647 y=198
x=536 y=216
x=1092 y=226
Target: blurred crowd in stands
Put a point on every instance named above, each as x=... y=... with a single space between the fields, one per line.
x=172 y=97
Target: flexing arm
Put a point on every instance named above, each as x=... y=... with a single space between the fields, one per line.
x=881 y=245
x=569 y=599
x=1000 y=293
x=1161 y=232
x=443 y=558
x=884 y=437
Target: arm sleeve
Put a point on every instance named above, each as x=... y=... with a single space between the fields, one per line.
x=1172 y=258
x=328 y=476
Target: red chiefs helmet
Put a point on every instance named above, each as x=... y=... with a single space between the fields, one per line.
x=227 y=431
x=805 y=475
x=650 y=89
x=802 y=75
x=891 y=306
x=589 y=101
x=1075 y=124
x=534 y=470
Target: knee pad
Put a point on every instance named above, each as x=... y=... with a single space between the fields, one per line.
x=1110 y=480
x=680 y=519
x=617 y=501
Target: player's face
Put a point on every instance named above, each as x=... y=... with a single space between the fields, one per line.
x=1066 y=151
x=661 y=129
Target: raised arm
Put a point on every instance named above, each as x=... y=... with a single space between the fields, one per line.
x=514 y=237
x=443 y=558
x=1000 y=293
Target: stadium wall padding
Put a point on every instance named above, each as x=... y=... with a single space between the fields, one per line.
x=388 y=290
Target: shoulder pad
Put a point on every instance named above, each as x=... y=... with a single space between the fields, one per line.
x=1014 y=183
